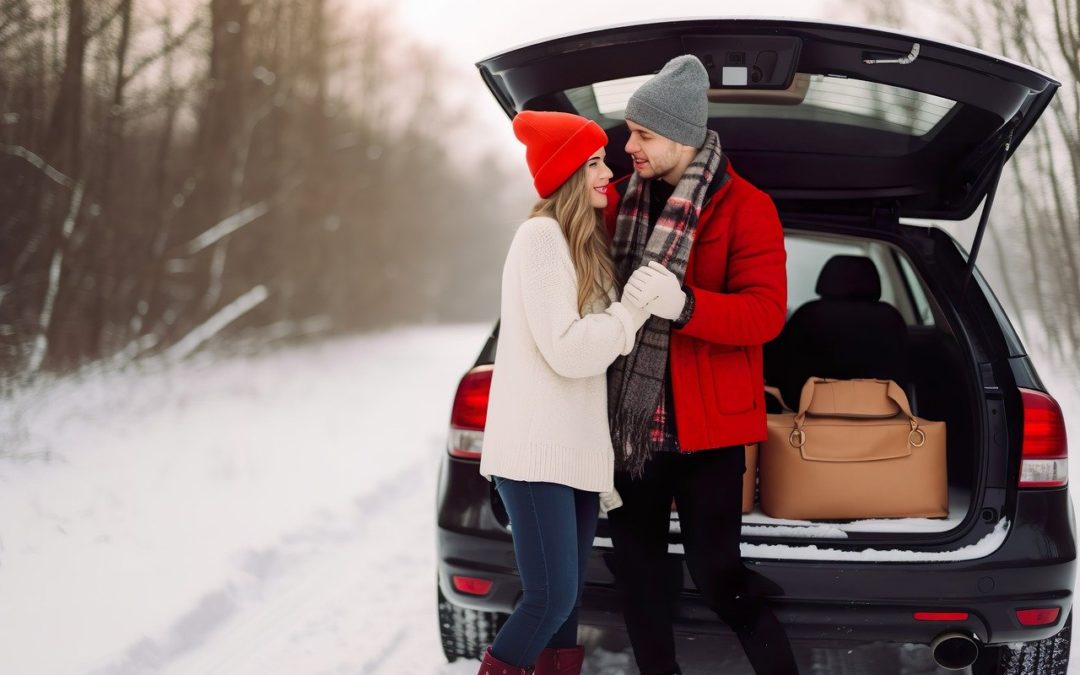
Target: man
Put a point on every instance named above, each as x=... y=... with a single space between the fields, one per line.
x=684 y=402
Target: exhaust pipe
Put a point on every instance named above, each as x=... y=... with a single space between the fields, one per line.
x=954 y=651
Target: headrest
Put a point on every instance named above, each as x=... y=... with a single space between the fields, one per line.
x=851 y=277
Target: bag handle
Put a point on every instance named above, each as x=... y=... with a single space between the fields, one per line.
x=797 y=438
x=775 y=393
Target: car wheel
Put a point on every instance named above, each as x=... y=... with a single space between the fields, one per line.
x=466 y=633
x=1041 y=657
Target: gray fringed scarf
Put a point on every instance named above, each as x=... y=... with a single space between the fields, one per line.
x=636 y=381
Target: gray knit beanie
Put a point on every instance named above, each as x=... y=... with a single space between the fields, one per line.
x=674 y=102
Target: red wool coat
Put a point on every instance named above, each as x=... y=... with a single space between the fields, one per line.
x=737 y=271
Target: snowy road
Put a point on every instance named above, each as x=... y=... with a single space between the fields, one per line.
x=269 y=515
x=265 y=515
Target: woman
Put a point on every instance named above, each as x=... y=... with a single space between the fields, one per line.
x=546 y=443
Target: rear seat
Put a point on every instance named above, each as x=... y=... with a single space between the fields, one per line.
x=847 y=333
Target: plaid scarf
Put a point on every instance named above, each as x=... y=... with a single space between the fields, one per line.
x=636 y=382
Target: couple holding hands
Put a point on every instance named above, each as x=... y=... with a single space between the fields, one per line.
x=629 y=373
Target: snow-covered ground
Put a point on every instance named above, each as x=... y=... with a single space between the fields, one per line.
x=236 y=516
x=269 y=514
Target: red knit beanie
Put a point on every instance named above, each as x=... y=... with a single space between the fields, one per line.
x=556 y=144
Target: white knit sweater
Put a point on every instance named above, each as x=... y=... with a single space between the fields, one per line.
x=547 y=414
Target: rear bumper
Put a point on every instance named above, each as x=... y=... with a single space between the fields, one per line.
x=816 y=600
x=847 y=615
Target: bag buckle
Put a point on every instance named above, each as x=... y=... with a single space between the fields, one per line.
x=916 y=434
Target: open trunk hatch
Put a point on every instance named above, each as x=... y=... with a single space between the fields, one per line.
x=826 y=118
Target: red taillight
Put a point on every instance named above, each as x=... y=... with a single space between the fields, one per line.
x=1045 y=454
x=469 y=416
x=1042 y=616
x=472 y=585
x=941 y=616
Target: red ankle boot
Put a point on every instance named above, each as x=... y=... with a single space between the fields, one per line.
x=493 y=666
x=560 y=661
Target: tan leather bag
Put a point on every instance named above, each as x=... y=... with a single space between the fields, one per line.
x=750 y=478
x=853 y=450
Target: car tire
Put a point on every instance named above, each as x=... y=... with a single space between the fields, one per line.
x=466 y=633
x=1040 y=657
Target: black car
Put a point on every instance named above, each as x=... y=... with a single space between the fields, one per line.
x=859 y=135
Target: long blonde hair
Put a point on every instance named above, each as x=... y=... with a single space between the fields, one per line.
x=583 y=226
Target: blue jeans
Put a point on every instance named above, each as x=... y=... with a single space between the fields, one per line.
x=553 y=527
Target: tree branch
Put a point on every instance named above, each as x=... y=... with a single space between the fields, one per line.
x=27 y=29
x=214 y=325
x=175 y=42
x=105 y=21
x=41 y=342
x=50 y=171
x=1068 y=41
x=226 y=227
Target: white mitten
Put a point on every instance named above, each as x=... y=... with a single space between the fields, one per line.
x=634 y=306
x=609 y=501
x=655 y=289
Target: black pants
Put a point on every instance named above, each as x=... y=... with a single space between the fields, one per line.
x=707 y=488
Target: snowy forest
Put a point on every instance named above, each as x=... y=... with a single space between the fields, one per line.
x=277 y=168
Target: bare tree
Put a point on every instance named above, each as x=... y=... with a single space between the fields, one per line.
x=64 y=148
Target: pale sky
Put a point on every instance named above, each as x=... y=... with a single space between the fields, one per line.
x=473 y=29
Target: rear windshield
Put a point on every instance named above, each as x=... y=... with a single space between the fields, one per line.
x=818 y=98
